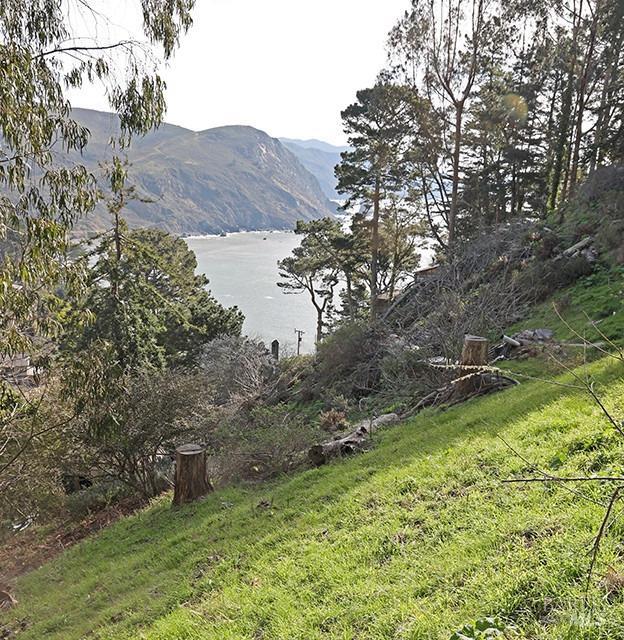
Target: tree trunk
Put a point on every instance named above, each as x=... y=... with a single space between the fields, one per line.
x=375 y=248
x=587 y=66
x=319 y=325
x=474 y=354
x=191 y=481
x=459 y=112
x=356 y=440
x=350 y=297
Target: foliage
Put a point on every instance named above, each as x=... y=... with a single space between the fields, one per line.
x=484 y=629
x=314 y=266
x=48 y=48
x=333 y=420
x=43 y=54
x=154 y=413
x=382 y=129
x=258 y=442
x=530 y=98
x=422 y=522
x=237 y=369
x=148 y=312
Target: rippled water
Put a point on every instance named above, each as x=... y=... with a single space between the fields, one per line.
x=242 y=269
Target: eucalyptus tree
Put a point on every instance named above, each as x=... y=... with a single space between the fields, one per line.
x=49 y=48
x=441 y=47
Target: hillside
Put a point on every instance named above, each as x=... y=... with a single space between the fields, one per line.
x=221 y=179
x=320 y=159
x=411 y=540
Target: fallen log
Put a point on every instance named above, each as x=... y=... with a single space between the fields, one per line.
x=320 y=454
x=447 y=396
x=585 y=242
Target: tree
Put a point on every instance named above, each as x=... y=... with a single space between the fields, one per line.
x=42 y=57
x=442 y=44
x=147 y=311
x=381 y=128
x=313 y=267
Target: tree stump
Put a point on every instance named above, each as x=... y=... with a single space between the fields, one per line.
x=191 y=481
x=474 y=354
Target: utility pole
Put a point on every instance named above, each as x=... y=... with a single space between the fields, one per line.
x=299 y=339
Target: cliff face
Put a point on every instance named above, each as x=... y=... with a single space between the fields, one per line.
x=221 y=179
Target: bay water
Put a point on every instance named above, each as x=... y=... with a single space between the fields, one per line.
x=242 y=270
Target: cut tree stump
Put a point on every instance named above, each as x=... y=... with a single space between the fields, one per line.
x=191 y=480
x=474 y=354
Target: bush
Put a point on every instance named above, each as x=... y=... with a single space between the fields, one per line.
x=95 y=498
x=237 y=367
x=346 y=362
x=333 y=420
x=157 y=412
x=259 y=443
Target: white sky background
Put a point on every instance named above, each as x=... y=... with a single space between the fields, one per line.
x=287 y=67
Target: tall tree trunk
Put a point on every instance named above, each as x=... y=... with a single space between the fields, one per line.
x=561 y=146
x=351 y=305
x=605 y=109
x=375 y=247
x=319 y=324
x=459 y=112
x=588 y=63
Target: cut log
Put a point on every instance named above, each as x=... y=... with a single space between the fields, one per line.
x=321 y=453
x=474 y=354
x=585 y=242
x=191 y=480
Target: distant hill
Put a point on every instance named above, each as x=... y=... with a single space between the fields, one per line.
x=319 y=158
x=221 y=179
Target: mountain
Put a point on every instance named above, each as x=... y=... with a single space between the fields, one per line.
x=221 y=179
x=319 y=158
x=313 y=143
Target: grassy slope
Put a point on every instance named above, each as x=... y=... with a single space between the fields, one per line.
x=410 y=540
x=406 y=541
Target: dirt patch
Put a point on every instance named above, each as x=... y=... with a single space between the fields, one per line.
x=30 y=549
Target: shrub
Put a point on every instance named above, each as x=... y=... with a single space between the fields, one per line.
x=237 y=367
x=259 y=443
x=333 y=420
x=157 y=412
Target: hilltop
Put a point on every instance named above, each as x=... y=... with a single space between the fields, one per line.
x=221 y=179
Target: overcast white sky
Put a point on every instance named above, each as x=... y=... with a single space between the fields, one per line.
x=285 y=66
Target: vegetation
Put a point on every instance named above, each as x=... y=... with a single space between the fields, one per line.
x=415 y=539
x=492 y=140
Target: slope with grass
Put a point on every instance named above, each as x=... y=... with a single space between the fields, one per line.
x=410 y=540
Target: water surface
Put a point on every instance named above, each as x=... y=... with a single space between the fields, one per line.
x=242 y=269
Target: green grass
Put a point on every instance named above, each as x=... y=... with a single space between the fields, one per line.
x=593 y=305
x=408 y=541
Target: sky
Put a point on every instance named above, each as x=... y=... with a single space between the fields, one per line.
x=287 y=67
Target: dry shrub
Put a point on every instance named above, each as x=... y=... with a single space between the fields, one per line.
x=333 y=420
